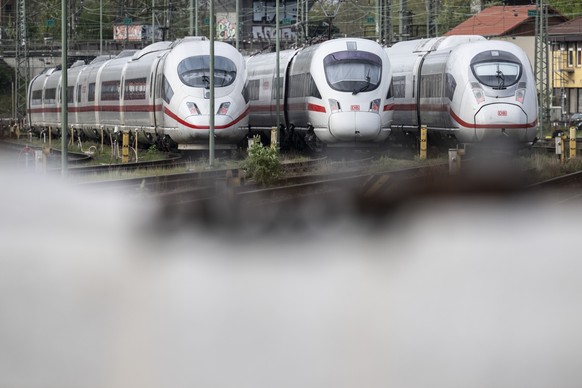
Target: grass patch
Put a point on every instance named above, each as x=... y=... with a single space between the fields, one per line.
x=548 y=166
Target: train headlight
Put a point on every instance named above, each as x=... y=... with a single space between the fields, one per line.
x=223 y=108
x=375 y=105
x=479 y=95
x=520 y=95
x=193 y=108
x=334 y=105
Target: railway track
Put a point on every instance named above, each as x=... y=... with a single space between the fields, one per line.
x=172 y=161
x=162 y=184
x=300 y=199
x=74 y=158
x=572 y=180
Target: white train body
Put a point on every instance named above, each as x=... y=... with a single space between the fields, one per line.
x=465 y=86
x=162 y=91
x=336 y=90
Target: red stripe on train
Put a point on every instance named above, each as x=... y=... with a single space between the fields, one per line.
x=492 y=126
x=205 y=127
x=100 y=108
x=315 y=108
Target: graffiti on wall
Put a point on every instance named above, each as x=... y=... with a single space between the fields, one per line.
x=225 y=26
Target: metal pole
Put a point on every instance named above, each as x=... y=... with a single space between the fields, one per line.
x=13 y=101
x=64 y=84
x=211 y=113
x=306 y=20
x=277 y=67
x=191 y=31
x=379 y=20
x=236 y=33
x=153 y=21
x=100 y=27
x=196 y=18
x=403 y=17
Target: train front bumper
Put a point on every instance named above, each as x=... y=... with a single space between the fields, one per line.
x=498 y=121
x=196 y=128
x=353 y=127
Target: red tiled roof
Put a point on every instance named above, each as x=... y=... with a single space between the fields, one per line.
x=494 y=21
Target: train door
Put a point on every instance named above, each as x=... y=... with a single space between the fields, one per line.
x=415 y=85
x=156 y=92
x=433 y=109
x=284 y=64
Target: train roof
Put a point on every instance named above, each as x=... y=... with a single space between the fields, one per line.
x=434 y=44
x=154 y=47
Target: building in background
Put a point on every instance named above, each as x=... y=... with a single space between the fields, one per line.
x=7 y=12
x=566 y=46
x=515 y=23
x=136 y=32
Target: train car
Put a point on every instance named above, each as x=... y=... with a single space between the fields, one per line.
x=161 y=92
x=464 y=88
x=333 y=93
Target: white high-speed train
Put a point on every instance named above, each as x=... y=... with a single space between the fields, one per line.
x=161 y=90
x=332 y=93
x=466 y=87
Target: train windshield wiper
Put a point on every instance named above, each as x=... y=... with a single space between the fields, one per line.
x=206 y=80
x=500 y=79
x=364 y=88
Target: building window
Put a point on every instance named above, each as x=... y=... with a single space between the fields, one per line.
x=570 y=57
x=579 y=57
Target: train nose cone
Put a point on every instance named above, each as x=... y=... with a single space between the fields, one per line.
x=355 y=126
x=497 y=120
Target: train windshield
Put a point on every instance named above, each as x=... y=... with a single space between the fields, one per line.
x=195 y=71
x=496 y=69
x=353 y=71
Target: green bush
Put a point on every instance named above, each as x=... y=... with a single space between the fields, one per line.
x=262 y=164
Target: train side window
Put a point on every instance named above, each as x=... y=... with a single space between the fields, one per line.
x=274 y=89
x=313 y=91
x=36 y=98
x=303 y=85
x=135 y=89
x=399 y=86
x=91 y=94
x=70 y=94
x=79 y=88
x=297 y=85
x=151 y=85
x=450 y=86
x=431 y=85
x=254 y=89
x=167 y=91
x=245 y=93
x=389 y=95
x=110 y=91
x=50 y=96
